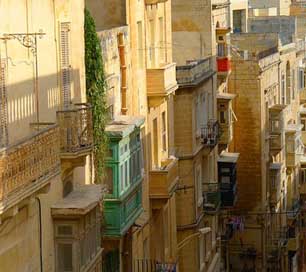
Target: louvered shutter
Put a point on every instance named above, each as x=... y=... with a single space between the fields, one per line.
x=3 y=105
x=65 y=63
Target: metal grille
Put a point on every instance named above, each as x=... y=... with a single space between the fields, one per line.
x=145 y=265
x=75 y=128
x=65 y=63
x=3 y=105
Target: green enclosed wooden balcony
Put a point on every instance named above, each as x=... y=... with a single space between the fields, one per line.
x=123 y=201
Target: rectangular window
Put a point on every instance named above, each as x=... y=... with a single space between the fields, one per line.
x=155 y=143
x=199 y=185
x=132 y=173
x=290 y=144
x=65 y=63
x=64 y=257
x=109 y=179
x=164 y=131
x=221 y=50
x=126 y=175
x=122 y=180
x=152 y=42
x=138 y=163
x=222 y=117
x=140 y=44
x=283 y=90
x=3 y=105
x=301 y=78
x=162 y=46
x=237 y=21
x=293 y=84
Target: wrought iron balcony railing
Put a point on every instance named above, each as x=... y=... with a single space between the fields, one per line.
x=295 y=209
x=210 y=134
x=27 y=165
x=145 y=265
x=212 y=197
x=76 y=129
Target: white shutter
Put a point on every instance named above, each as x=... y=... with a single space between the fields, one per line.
x=3 y=105
x=65 y=63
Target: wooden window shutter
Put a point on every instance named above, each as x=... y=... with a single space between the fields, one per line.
x=3 y=105
x=65 y=64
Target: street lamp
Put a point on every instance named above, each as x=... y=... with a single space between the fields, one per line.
x=200 y=232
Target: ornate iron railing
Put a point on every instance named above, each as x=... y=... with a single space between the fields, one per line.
x=212 y=197
x=144 y=265
x=295 y=209
x=210 y=134
x=76 y=128
x=29 y=161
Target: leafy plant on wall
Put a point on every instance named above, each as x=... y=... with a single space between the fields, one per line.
x=96 y=92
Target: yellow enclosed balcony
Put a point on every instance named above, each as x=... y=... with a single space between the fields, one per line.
x=294 y=145
x=276 y=128
x=303 y=122
x=161 y=82
x=226 y=117
x=26 y=167
x=303 y=95
x=163 y=181
x=76 y=131
x=275 y=182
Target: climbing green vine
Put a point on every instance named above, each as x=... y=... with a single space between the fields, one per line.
x=96 y=92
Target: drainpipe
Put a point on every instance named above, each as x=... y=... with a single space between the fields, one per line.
x=40 y=234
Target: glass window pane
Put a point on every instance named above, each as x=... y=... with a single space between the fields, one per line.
x=122 y=177
x=109 y=179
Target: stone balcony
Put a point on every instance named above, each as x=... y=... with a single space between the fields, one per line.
x=217 y=4
x=27 y=166
x=194 y=72
x=161 y=82
x=163 y=181
x=76 y=131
